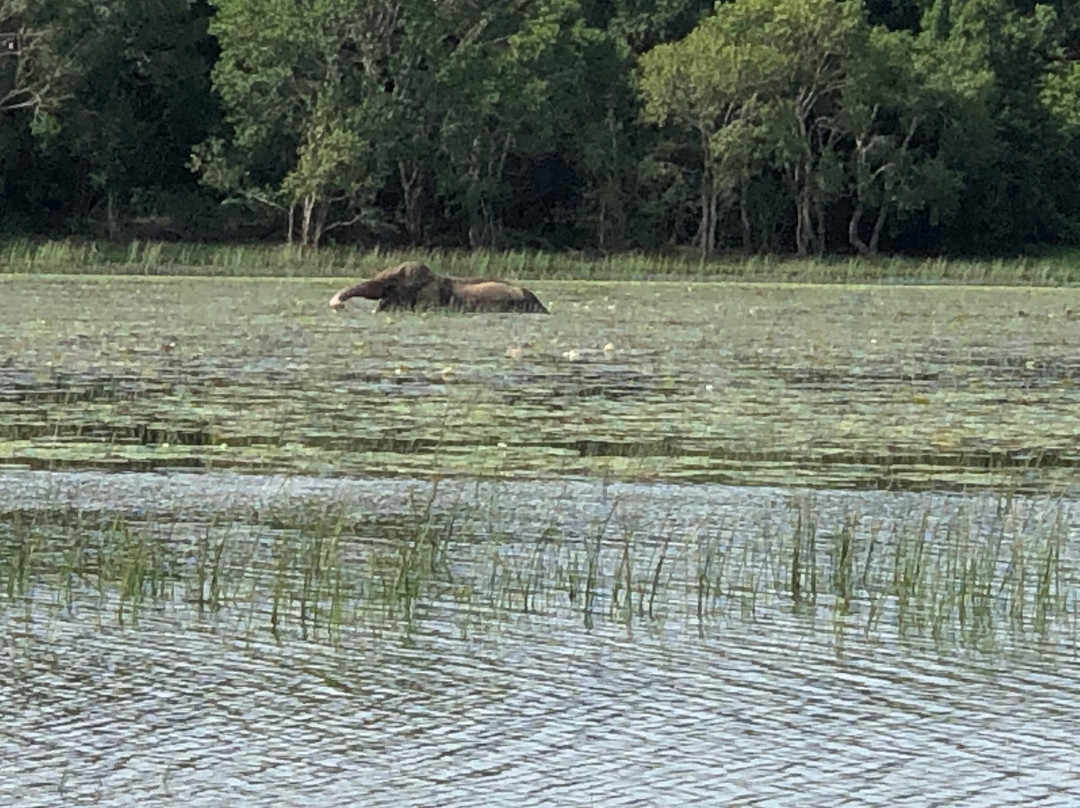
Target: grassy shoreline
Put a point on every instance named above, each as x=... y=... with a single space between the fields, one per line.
x=81 y=257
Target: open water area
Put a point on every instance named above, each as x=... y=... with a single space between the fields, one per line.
x=708 y=544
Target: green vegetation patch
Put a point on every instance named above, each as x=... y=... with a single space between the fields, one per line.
x=825 y=386
x=986 y=574
x=84 y=257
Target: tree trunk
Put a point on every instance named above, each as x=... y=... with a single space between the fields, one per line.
x=702 y=237
x=875 y=236
x=853 y=229
x=411 y=188
x=491 y=226
x=744 y=216
x=601 y=224
x=111 y=226
x=804 y=226
x=321 y=212
x=714 y=218
x=800 y=193
x=818 y=195
x=482 y=229
x=707 y=194
x=305 y=223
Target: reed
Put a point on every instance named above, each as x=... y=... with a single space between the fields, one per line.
x=75 y=256
x=966 y=577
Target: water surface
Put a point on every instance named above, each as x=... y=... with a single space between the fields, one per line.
x=674 y=545
x=825 y=386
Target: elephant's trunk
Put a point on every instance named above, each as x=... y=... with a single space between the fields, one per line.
x=372 y=290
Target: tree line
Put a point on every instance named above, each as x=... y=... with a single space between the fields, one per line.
x=803 y=126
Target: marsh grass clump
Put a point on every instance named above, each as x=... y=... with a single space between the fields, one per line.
x=21 y=543
x=951 y=572
x=961 y=579
x=416 y=556
x=711 y=578
x=804 y=568
x=308 y=581
x=135 y=562
x=78 y=555
x=76 y=256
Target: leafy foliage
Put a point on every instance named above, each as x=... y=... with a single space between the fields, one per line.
x=776 y=125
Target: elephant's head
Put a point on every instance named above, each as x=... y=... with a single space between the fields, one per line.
x=399 y=284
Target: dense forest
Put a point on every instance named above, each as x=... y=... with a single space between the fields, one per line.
x=792 y=126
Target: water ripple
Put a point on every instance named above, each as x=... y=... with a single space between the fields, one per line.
x=747 y=717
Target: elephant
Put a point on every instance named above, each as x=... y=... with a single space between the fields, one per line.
x=412 y=285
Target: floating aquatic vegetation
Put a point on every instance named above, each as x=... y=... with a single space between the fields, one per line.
x=860 y=387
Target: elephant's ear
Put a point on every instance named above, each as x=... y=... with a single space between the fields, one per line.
x=414 y=274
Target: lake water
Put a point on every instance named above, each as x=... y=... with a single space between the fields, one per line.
x=393 y=561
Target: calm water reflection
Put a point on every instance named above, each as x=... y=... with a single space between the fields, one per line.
x=198 y=709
